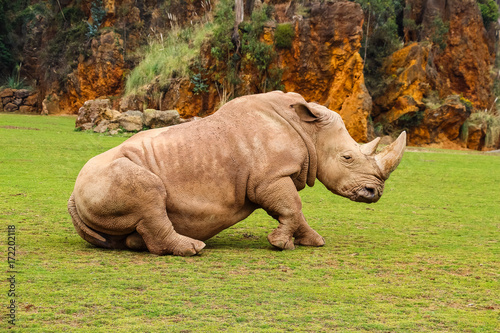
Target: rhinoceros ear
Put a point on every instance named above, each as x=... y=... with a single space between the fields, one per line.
x=307 y=111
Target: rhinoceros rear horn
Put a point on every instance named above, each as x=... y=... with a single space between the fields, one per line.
x=370 y=147
x=389 y=158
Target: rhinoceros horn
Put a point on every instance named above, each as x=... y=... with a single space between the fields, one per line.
x=370 y=147
x=389 y=158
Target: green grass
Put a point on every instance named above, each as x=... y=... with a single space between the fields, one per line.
x=167 y=57
x=425 y=258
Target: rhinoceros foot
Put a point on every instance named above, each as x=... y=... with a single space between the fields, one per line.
x=187 y=246
x=135 y=242
x=310 y=240
x=309 y=237
x=281 y=240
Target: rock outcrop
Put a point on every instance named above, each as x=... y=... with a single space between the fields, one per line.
x=463 y=62
x=324 y=64
x=439 y=125
x=101 y=74
x=425 y=77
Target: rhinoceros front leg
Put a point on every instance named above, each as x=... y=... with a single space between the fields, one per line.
x=282 y=201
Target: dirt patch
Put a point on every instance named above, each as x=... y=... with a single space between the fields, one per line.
x=21 y=128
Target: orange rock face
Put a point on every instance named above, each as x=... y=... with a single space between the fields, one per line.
x=409 y=84
x=462 y=66
x=102 y=74
x=428 y=78
x=403 y=104
x=324 y=64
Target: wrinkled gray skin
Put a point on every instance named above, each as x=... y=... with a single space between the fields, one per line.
x=168 y=189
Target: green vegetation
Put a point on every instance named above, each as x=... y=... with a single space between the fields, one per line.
x=199 y=84
x=15 y=81
x=97 y=13
x=381 y=37
x=71 y=40
x=167 y=58
x=283 y=36
x=410 y=120
x=65 y=29
x=489 y=11
x=422 y=259
x=257 y=53
x=252 y=53
x=175 y=56
x=440 y=30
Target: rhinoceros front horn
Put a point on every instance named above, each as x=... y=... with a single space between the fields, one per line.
x=389 y=158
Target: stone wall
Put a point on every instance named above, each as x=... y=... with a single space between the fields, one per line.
x=19 y=100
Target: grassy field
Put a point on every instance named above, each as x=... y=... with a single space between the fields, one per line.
x=425 y=258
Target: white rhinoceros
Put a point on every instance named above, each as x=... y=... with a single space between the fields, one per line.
x=168 y=189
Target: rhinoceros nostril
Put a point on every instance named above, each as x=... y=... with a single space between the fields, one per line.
x=370 y=191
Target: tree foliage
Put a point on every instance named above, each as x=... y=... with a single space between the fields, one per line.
x=382 y=35
x=283 y=36
x=489 y=11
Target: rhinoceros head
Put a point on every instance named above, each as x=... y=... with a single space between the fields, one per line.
x=343 y=166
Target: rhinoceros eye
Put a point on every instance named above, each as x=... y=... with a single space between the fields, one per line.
x=347 y=157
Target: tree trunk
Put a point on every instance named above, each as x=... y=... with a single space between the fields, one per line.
x=249 y=4
x=238 y=18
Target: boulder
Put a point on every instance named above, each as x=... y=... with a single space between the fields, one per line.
x=90 y=111
x=129 y=103
x=21 y=93
x=113 y=126
x=10 y=107
x=155 y=118
x=102 y=127
x=7 y=93
x=85 y=127
x=50 y=104
x=131 y=121
x=27 y=109
x=18 y=101
x=31 y=100
x=438 y=125
x=476 y=136
x=107 y=114
x=7 y=100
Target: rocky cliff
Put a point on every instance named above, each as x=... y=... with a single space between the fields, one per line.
x=440 y=76
x=74 y=51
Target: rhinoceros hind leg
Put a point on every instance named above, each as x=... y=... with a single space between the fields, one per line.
x=130 y=199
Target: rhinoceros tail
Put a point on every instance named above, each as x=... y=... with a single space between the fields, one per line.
x=82 y=229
